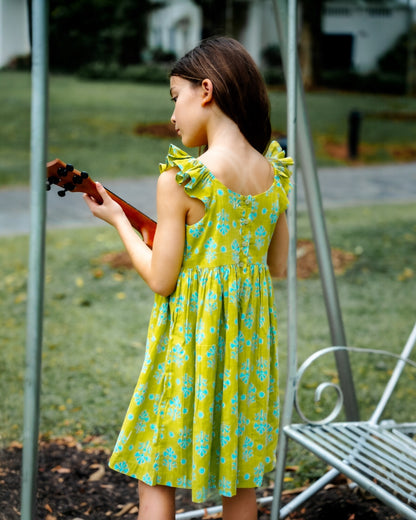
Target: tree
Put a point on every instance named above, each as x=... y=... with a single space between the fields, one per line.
x=310 y=54
x=221 y=17
x=84 y=31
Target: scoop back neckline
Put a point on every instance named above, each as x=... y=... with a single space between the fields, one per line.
x=236 y=193
x=213 y=177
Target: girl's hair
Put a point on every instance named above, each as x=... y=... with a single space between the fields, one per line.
x=238 y=87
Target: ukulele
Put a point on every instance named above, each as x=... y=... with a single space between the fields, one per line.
x=70 y=179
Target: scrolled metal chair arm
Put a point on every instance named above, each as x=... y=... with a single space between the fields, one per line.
x=326 y=385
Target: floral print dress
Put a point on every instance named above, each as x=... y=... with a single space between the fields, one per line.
x=204 y=414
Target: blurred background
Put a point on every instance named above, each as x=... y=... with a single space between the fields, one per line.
x=109 y=64
x=358 y=44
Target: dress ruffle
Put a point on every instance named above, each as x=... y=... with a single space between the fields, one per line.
x=191 y=170
x=276 y=155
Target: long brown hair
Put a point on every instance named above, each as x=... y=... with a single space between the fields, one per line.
x=238 y=87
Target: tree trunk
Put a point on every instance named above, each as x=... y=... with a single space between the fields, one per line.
x=310 y=41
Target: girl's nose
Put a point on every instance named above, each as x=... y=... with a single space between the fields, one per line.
x=172 y=119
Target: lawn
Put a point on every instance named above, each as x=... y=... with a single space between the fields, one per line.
x=92 y=124
x=96 y=317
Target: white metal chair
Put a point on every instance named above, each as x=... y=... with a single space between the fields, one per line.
x=379 y=456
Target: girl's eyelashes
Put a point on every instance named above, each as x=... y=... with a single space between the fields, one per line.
x=174 y=99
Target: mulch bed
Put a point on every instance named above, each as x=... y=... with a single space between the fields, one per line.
x=75 y=483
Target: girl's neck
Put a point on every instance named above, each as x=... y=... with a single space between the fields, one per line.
x=223 y=132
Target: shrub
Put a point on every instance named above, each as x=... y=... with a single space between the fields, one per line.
x=144 y=73
x=375 y=82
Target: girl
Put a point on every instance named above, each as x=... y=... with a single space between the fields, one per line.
x=204 y=413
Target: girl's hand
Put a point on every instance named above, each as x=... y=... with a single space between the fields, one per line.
x=109 y=210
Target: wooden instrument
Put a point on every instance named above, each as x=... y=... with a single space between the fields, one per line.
x=70 y=179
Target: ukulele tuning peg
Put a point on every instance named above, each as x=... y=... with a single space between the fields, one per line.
x=61 y=193
x=77 y=179
x=53 y=179
x=62 y=172
x=69 y=168
x=69 y=186
x=84 y=175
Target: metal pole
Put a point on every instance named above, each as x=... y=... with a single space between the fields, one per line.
x=411 y=49
x=36 y=258
x=286 y=416
x=306 y=157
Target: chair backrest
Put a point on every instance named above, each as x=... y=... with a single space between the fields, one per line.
x=391 y=385
x=402 y=361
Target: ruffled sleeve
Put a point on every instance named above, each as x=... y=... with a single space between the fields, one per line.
x=192 y=173
x=276 y=156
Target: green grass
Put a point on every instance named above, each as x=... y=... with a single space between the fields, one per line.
x=96 y=318
x=91 y=124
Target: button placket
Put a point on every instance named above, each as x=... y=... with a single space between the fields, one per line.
x=245 y=230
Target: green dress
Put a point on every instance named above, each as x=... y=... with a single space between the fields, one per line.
x=205 y=411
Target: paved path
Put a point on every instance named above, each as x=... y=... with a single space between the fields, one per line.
x=342 y=186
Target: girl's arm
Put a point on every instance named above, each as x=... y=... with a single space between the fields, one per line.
x=278 y=248
x=160 y=266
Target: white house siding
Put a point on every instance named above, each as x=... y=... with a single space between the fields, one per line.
x=260 y=31
x=176 y=27
x=14 y=30
x=374 y=30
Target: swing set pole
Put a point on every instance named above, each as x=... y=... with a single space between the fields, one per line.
x=291 y=367
x=306 y=158
x=35 y=290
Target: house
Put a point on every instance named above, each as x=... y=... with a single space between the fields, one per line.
x=175 y=27
x=356 y=35
x=14 y=30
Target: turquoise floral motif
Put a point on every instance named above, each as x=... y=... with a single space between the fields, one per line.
x=122 y=467
x=140 y=393
x=169 y=458
x=143 y=453
x=201 y=388
x=223 y=219
x=187 y=385
x=225 y=434
x=185 y=437
x=201 y=443
x=260 y=422
x=247 y=448
x=175 y=408
x=224 y=486
x=261 y=235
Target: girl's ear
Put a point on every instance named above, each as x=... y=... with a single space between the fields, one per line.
x=207 y=90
